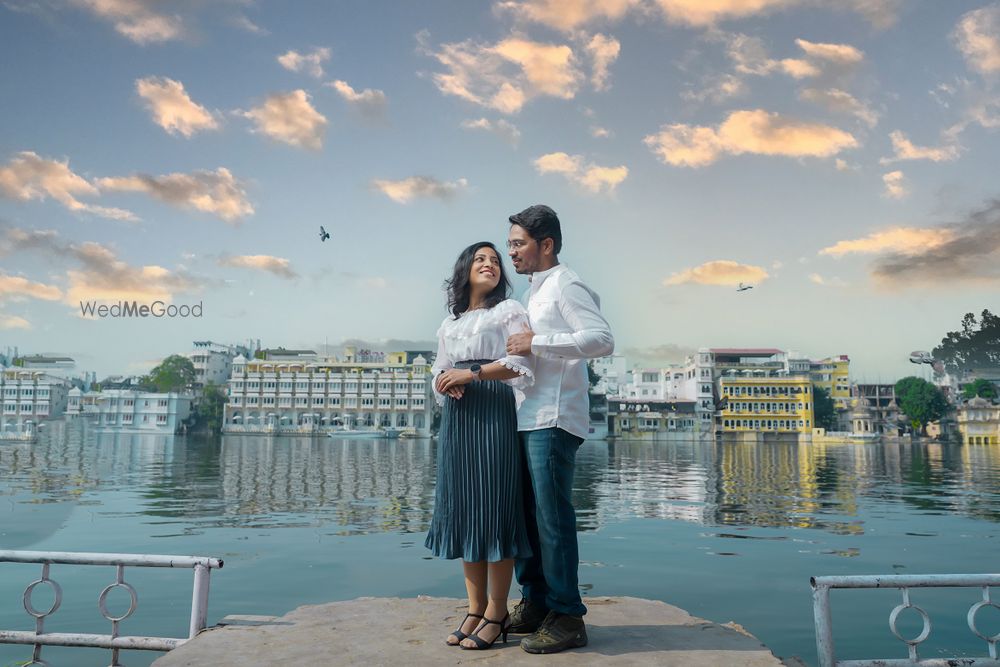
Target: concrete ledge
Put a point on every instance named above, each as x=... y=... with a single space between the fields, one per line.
x=393 y=631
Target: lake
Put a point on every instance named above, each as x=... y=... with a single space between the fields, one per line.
x=729 y=532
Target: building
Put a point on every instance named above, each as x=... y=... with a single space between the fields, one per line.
x=130 y=410
x=614 y=374
x=979 y=422
x=30 y=396
x=213 y=362
x=874 y=409
x=634 y=419
x=833 y=374
x=777 y=405
x=294 y=391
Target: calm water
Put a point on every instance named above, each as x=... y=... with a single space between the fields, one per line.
x=728 y=532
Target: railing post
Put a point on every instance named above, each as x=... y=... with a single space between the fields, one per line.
x=824 y=624
x=199 y=599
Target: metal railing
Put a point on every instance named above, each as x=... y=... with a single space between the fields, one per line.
x=824 y=623
x=202 y=567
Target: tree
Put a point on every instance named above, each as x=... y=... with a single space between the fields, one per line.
x=823 y=411
x=971 y=347
x=981 y=387
x=209 y=411
x=174 y=373
x=921 y=401
x=592 y=376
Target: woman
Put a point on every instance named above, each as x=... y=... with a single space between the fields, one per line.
x=478 y=511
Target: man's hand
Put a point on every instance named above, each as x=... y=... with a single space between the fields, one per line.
x=453 y=378
x=520 y=343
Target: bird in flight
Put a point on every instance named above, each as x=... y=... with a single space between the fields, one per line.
x=743 y=288
x=323 y=234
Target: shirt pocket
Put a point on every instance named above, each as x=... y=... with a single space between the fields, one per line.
x=543 y=315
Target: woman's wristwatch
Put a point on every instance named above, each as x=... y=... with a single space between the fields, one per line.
x=476 y=369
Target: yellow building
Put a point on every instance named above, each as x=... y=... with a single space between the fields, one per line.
x=979 y=422
x=833 y=374
x=777 y=404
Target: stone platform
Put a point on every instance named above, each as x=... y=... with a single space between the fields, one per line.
x=411 y=632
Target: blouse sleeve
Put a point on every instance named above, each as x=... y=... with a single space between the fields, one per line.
x=442 y=362
x=516 y=321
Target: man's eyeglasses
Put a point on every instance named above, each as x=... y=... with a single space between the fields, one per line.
x=516 y=244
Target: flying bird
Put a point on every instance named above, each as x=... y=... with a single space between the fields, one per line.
x=323 y=234
x=743 y=288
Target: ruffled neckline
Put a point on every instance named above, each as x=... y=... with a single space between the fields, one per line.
x=471 y=322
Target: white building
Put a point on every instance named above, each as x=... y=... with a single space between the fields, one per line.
x=129 y=410
x=213 y=362
x=30 y=396
x=614 y=374
x=294 y=391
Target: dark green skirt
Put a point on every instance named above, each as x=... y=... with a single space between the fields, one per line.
x=478 y=504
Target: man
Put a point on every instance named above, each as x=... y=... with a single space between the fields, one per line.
x=567 y=328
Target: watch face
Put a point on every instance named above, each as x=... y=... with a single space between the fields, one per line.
x=475 y=368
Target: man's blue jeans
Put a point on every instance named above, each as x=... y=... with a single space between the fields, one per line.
x=549 y=577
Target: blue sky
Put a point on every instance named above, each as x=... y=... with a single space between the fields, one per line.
x=839 y=156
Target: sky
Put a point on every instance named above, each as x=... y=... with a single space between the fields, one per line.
x=838 y=155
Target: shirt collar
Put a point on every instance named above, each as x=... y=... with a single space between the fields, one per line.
x=536 y=279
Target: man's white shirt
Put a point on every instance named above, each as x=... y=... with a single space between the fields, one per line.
x=565 y=316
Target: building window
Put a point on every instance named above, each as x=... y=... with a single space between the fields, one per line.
x=161 y=419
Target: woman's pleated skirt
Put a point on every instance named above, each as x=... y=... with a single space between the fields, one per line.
x=478 y=506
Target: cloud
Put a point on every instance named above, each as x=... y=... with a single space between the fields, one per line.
x=591 y=177
x=896 y=240
x=244 y=23
x=279 y=266
x=216 y=192
x=13 y=322
x=658 y=355
x=505 y=75
x=290 y=118
x=834 y=99
x=717 y=89
x=977 y=36
x=370 y=103
x=98 y=274
x=31 y=177
x=139 y=20
x=905 y=150
x=826 y=282
x=750 y=56
x=17 y=287
x=965 y=251
x=895 y=185
x=701 y=13
x=508 y=131
x=843 y=55
x=172 y=108
x=408 y=189
x=722 y=272
x=754 y=131
x=603 y=51
x=311 y=63
x=566 y=15
x=599 y=132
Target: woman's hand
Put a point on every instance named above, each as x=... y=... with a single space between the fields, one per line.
x=453 y=378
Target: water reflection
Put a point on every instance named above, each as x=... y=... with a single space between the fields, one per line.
x=362 y=486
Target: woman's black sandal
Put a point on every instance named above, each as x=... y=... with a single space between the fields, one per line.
x=482 y=644
x=458 y=634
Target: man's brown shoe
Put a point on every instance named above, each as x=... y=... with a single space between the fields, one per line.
x=558 y=633
x=527 y=617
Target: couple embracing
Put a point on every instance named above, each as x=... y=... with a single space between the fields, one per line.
x=512 y=382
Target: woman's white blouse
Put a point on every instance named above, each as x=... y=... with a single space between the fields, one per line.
x=482 y=334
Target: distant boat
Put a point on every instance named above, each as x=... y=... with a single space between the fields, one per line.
x=341 y=430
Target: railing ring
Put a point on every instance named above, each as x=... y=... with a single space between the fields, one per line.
x=973 y=610
x=923 y=615
x=30 y=608
x=103 y=600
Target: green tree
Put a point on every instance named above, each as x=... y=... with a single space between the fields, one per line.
x=173 y=374
x=981 y=387
x=971 y=347
x=824 y=415
x=209 y=411
x=921 y=401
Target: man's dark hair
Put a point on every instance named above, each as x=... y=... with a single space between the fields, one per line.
x=541 y=223
x=459 y=289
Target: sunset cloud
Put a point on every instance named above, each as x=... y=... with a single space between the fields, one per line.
x=502 y=128
x=904 y=149
x=898 y=240
x=977 y=36
x=310 y=63
x=566 y=15
x=172 y=108
x=589 y=176
x=13 y=322
x=722 y=272
x=603 y=51
x=505 y=75
x=895 y=185
x=279 y=266
x=139 y=20
x=839 y=101
x=18 y=287
x=754 y=131
x=291 y=119
x=425 y=187
x=216 y=192
x=30 y=177
x=370 y=103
